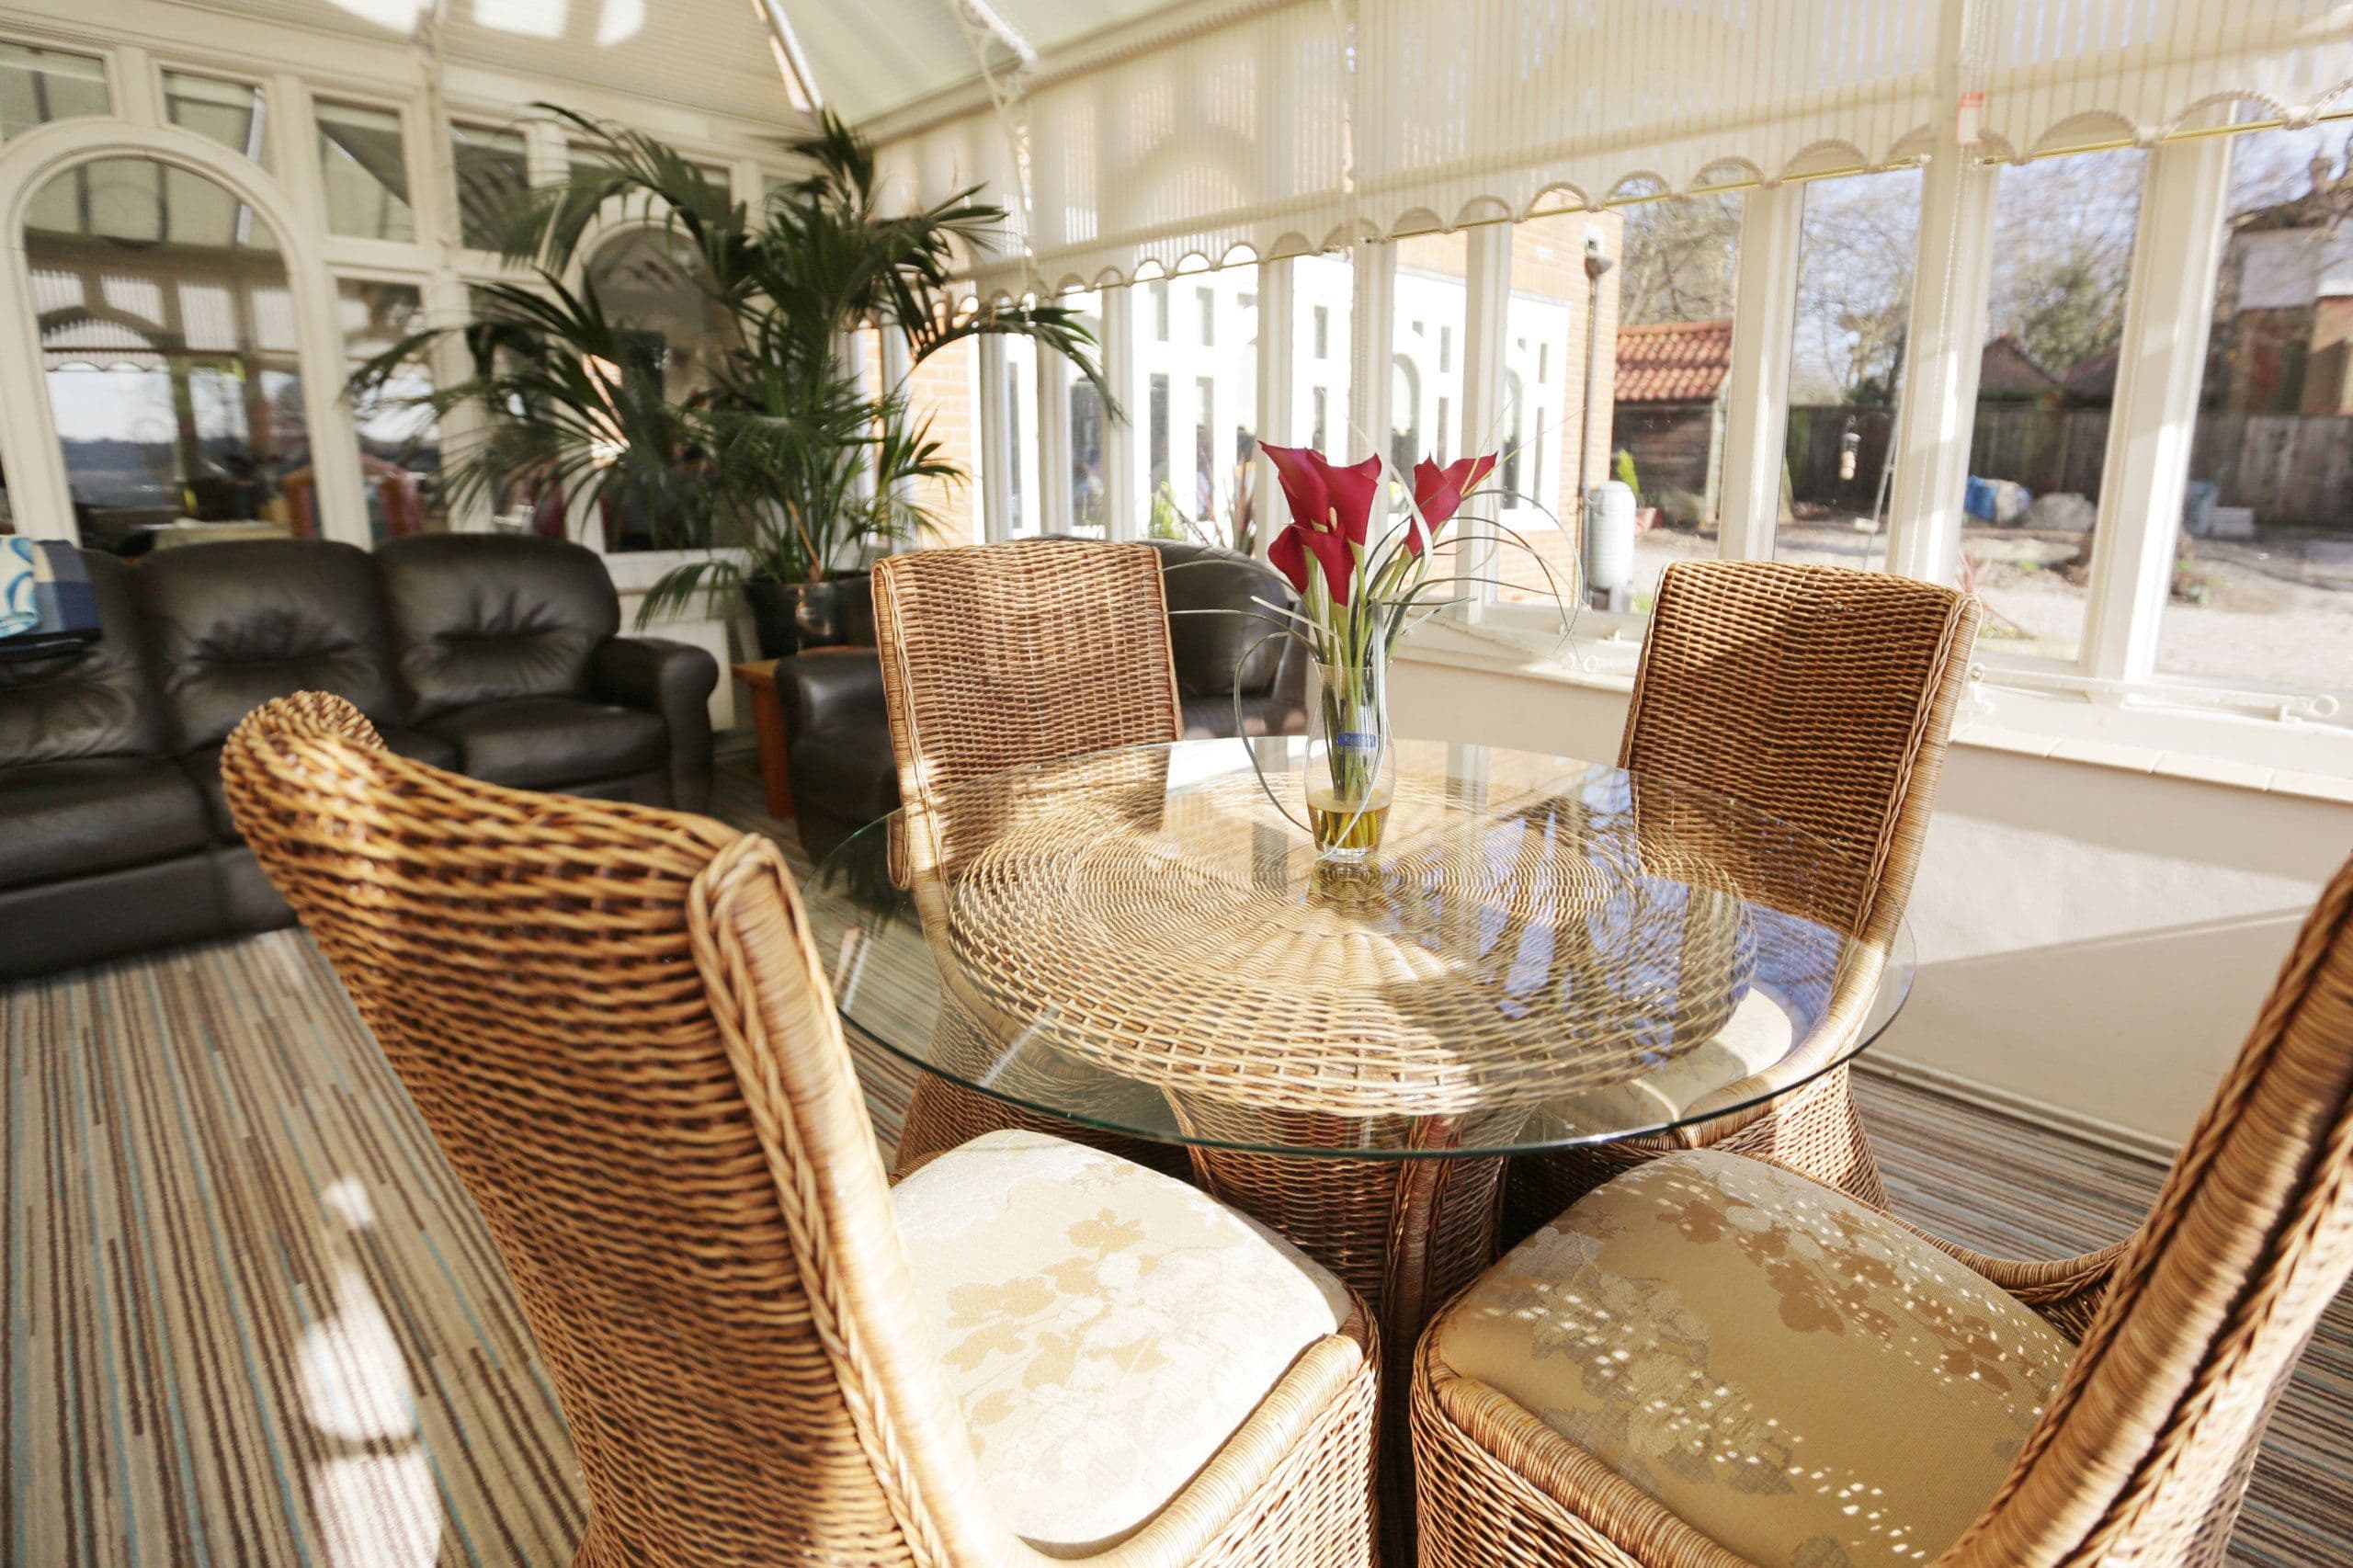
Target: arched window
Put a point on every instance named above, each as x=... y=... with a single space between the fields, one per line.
x=652 y=281
x=168 y=350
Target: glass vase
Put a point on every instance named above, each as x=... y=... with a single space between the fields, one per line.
x=1351 y=773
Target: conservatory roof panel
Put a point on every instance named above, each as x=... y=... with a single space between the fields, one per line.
x=870 y=57
x=712 y=55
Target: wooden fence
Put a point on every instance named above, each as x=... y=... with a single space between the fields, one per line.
x=2294 y=470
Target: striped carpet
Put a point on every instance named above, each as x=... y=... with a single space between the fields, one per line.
x=252 y=1319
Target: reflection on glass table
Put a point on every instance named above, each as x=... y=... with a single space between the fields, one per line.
x=1545 y=952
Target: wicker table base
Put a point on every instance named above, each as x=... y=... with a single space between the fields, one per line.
x=1406 y=1235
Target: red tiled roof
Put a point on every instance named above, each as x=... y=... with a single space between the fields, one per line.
x=1673 y=361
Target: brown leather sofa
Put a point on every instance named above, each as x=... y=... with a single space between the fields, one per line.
x=495 y=656
x=837 y=745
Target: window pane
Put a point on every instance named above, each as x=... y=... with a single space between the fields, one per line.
x=1542 y=431
x=651 y=283
x=1162 y=514
x=228 y=112
x=364 y=166
x=1202 y=409
x=1020 y=392
x=1090 y=499
x=1659 y=377
x=1321 y=288
x=940 y=405
x=38 y=85
x=493 y=169
x=2062 y=255
x=400 y=445
x=1428 y=312
x=170 y=364
x=2263 y=585
x=1857 y=242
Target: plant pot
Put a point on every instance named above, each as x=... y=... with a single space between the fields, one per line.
x=840 y=610
x=773 y=619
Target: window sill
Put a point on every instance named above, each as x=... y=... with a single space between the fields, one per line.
x=2308 y=760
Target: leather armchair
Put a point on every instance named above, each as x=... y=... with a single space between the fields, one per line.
x=838 y=733
x=507 y=649
x=674 y=679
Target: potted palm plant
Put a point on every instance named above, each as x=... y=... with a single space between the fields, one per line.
x=785 y=469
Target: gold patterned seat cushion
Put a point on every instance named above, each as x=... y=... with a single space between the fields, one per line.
x=1786 y=1370
x=1105 y=1328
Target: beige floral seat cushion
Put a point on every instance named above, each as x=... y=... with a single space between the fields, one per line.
x=1105 y=1328
x=1785 y=1369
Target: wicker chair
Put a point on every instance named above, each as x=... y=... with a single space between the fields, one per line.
x=613 y=1020
x=2174 y=1346
x=1822 y=697
x=998 y=656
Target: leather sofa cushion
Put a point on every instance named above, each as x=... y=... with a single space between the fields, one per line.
x=480 y=619
x=60 y=820
x=237 y=623
x=93 y=701
x=203 y=769
x=544 y=743
x=1208 y=649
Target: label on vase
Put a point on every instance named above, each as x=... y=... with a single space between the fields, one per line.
x=1360 y=741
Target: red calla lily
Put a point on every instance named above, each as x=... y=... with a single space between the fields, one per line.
x=1439 y=492
x=1331 y=509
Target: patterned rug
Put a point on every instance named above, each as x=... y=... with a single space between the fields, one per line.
x=253 y=1320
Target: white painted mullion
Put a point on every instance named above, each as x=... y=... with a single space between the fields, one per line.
x=1937 y=404
x=1372 y=320
x=1757 y=401
x=1278 y=391
x=998 y=521
x=138 y=86
x=1485 y=341
x=2161 y=363
x=1122 y=474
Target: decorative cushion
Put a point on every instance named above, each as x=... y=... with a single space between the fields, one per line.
x=1104 y=1327
x=1788 y=1371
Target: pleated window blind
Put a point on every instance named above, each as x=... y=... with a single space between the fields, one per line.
x=1285 y=126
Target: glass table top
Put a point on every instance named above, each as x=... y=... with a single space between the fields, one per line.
x=1541 y=953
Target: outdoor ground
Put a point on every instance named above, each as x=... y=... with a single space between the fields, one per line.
x=2272 y=611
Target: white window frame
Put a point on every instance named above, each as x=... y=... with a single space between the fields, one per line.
x=2168 y=307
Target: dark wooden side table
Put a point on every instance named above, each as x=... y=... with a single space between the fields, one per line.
x=767 y=724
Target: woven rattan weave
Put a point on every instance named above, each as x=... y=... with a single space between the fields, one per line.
x=612 y=1019
x=1824 y=698
x=1004 y=655
x=1543 y=952
x=2186 y=1333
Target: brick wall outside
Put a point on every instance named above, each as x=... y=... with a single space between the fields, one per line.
x=941 y=388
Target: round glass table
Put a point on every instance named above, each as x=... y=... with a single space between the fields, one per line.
x=1542 y=954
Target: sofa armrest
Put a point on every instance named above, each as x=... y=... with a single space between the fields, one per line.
x=675 y=681
x=831 y=688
